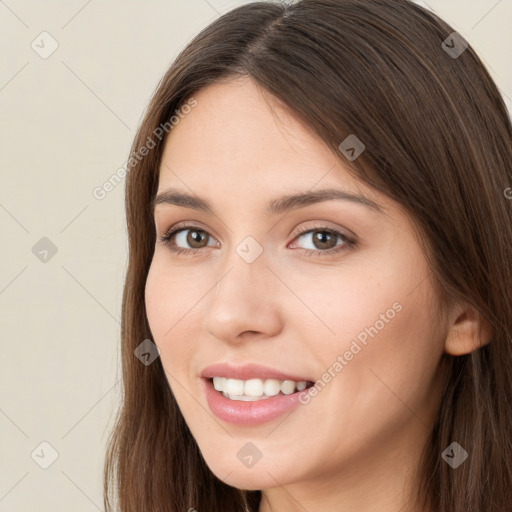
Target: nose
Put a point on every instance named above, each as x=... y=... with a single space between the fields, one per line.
x=245 y=300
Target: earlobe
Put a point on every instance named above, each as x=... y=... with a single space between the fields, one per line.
x=469 y=331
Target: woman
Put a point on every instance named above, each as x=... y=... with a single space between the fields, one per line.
x=317 y=309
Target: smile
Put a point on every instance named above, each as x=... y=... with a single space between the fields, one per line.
x=247 y=410
x=257 y=389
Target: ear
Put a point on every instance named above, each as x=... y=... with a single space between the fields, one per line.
x=468 y=331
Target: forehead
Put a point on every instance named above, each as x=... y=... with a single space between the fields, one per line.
x=240 y=135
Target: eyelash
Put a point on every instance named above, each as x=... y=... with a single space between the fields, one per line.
x=348 y=242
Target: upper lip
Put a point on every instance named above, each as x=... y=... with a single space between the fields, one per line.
x=248 y=371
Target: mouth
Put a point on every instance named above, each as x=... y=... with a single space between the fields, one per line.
x=253 y=390
x=252 y=394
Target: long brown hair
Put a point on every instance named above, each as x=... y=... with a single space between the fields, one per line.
x=438 y=141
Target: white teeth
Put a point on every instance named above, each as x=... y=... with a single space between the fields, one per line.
x=256 y=389
x=219 y=383
x=253 y=387
x=301 y=386
x=234 y=387
x=288 y=387
x=272 y=387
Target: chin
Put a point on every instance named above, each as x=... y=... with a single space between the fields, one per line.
x=246 y=478
x=248 y=481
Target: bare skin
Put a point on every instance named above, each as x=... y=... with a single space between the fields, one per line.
x=356 y=445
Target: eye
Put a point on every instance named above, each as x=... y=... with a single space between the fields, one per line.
x=194 y=236
x=323 y=240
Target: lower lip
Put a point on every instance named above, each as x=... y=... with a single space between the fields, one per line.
x=249 y=413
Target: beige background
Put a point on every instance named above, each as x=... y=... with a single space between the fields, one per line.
x=66 y=125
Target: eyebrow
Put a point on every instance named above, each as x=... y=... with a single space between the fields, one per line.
x=274 y=206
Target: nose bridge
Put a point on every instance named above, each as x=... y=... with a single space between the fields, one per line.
x=242 y=255
x=243 y=272
x=246 y=262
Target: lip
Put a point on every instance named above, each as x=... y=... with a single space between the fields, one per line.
x=248 y=371
x=250 y=413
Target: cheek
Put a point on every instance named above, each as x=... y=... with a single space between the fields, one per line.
x=387 y=304
x=389 y=360
x=376 y=343
x=170 y=310
x=157 y=296
x=170 y=298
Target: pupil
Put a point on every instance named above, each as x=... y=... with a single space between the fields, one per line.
x=323 y=238
x=195 y=237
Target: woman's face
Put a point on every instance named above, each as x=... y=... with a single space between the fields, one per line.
x=334 y=291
